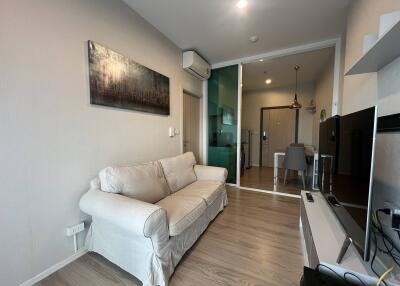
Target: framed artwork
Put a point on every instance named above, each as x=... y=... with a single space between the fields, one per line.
x=117 y=81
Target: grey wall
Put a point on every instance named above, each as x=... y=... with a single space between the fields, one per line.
x=52 y=140
x=252 y=102
x=382 y=89
x=361 y=91
x=323 y=98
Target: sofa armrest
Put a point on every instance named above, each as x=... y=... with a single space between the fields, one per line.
x=133 y=216
x=210 y=173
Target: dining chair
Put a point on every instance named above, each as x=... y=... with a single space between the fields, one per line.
x=295 y=159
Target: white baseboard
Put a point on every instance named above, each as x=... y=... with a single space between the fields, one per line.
x=231 y=184
x=270 y=192
x=54 y=268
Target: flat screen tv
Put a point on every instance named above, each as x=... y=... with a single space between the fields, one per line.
x=345 y=170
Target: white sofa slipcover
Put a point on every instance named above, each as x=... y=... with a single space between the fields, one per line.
x=179 y=171
x=149 y=239
x=145 y=182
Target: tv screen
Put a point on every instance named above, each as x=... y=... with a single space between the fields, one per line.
x=346 y=148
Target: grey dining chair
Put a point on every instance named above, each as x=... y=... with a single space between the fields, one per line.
x=295 y=159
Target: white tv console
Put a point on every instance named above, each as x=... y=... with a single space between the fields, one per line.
x=324 y=237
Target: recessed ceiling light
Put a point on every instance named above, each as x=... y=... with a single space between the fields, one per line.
x=254 y=39
x=261 y=60
x=268 y=81
x=241 y=4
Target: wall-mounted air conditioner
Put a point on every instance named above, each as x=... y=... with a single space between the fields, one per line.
x=196 y=65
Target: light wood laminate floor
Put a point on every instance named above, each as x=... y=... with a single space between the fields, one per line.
x=263 y=178
x=254 y=241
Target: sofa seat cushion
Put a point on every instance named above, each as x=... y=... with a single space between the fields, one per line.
x=179 y=171
x=145 y=182
x=207 y=190
x=182 y=211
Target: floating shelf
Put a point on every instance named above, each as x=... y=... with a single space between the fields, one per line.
x=389 y=123
x=384 y=51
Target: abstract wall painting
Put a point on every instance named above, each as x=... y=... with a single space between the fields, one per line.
x=117 y=81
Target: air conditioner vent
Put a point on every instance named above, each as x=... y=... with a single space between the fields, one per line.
x=196 y=65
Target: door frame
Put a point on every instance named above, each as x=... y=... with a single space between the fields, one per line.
x=296 y=127
x=201 y=123
x=239 y=124
x=336 y=43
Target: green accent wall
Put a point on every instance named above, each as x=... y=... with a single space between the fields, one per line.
x=223 y=119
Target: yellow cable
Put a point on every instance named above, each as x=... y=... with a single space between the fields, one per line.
x=374 y=218
x=384 y=275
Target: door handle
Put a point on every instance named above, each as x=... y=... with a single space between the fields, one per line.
x=264 y=136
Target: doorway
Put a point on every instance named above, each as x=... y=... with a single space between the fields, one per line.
x=268 y=89
x=278 y=129
x=191 y=124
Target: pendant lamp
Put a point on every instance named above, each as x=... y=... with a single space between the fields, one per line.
x=295 y=104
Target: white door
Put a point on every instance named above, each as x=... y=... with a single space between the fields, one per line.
x=191 y=124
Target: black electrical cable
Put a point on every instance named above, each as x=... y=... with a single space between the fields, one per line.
x=386 y=239
x=374 y=256
x=353 y=275
x=391 y=245
x=379 y=248
x=330 y=269
x=343 y=278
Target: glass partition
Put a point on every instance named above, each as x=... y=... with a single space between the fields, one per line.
x=223 y=119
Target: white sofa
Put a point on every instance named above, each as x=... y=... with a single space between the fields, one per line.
x=145 y=217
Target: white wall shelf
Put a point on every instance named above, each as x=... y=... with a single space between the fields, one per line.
x=384 y=51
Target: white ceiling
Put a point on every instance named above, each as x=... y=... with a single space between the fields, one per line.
x=281 y=70
x=220 y=31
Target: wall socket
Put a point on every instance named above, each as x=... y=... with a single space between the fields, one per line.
x=394 y=215
x=172 y=131
x=396 y=220
x=75 y=229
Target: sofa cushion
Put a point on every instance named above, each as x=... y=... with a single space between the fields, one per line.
x=179 y=171
x=145 y=182
x=182 y=211
x=208 y=190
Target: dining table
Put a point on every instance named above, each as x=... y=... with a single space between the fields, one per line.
x=311 y=155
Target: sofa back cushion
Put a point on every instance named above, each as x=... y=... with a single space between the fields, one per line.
x=144 y=182
x=179 y=171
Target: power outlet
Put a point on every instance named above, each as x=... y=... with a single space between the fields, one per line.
x=396 y=220
x=75 y=229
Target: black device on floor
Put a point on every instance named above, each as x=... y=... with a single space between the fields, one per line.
x=323 y=277
x=309 y=197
